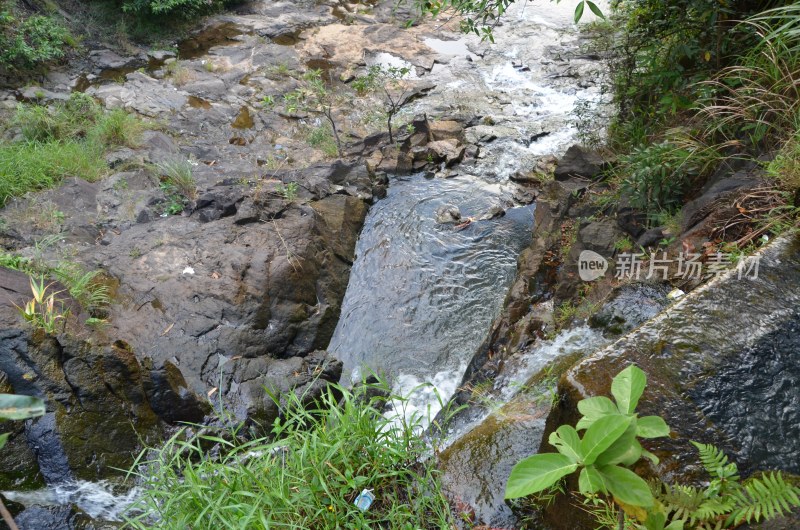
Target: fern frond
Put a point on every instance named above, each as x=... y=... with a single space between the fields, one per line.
x=716 y=462
x=766 y=497
x=711 y=510
x=680 y=502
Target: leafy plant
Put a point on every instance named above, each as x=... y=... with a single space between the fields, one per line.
x=609 y=444
x=314 y=96
x=27 y=42
x=726 y=502
x=268 y=102
x=84 y=286
x=41 y=311
x=16 y=407
x=656 y=177
x=289 y=191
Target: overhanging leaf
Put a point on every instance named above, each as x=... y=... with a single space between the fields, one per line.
x=15 y=407
x=596 y=10
x=579 y=11
x=627 y=388
x=4 y=439
x=601 y=435
x=537 y=473
x=594 y=408
x=626 y=486
x=567 y=441
x=651 y=427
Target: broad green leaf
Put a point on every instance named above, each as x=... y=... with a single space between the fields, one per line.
x=594 y=408
x=3 y=439
x=579 y=11
x=599 y=437
x=590 y=481
x=537 y=473
x=675 y=525
x=627 y=388
x=567 y=441
x=624 y=450
x=15 y=407
x=651 y=427
x=626 y=485
x=596 y=10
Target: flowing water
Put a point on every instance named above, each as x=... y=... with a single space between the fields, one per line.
x=422 y=295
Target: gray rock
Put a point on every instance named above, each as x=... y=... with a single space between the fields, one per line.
x=448 y=213
x=599 y=236
x=650 y=237
x=581 y=163
x=630 y=305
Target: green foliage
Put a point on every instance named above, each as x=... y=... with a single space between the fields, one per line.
x=306 y=475
x=43 y=311
x=181 y=8
x=784 y=169
x=315 y=96
x=758 y=98
x=178 y=184
x=726 y=502
x=481 y=16
x=27 y=42
x=84 y=286
x=62 y=140
x=289 y=191
x=322 y=138
x=609 y=444
x=16 y=407
x=655 y=177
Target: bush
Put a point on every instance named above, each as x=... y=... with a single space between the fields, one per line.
x=307 y=476
x=181 y=8
x=28 y=42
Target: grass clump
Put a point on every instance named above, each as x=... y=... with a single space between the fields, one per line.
x=322 y=138
x=177 y=183
x=63 y=140
x=32 y=166
x=306 y=475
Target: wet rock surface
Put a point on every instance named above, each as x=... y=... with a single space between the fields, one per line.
x=721 y=369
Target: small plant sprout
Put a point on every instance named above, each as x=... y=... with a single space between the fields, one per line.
x=41 y=311
x=268 y=102
x=314 y=96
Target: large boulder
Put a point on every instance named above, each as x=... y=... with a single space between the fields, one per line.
x=97 y=411
x=722 y=369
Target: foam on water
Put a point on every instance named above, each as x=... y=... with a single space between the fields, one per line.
x=100 y=500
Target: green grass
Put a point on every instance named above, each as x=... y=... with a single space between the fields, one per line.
x=322 y=138
x=33 y=166
x=64 y=140
x=306 y=475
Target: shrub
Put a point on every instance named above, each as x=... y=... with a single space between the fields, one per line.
x=655 y=177
x=181 y=8
x=306 y=476
x=29 y=42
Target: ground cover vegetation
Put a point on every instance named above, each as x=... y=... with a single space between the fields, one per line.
x=307 y=473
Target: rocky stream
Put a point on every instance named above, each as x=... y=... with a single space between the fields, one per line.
x=428 y=261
